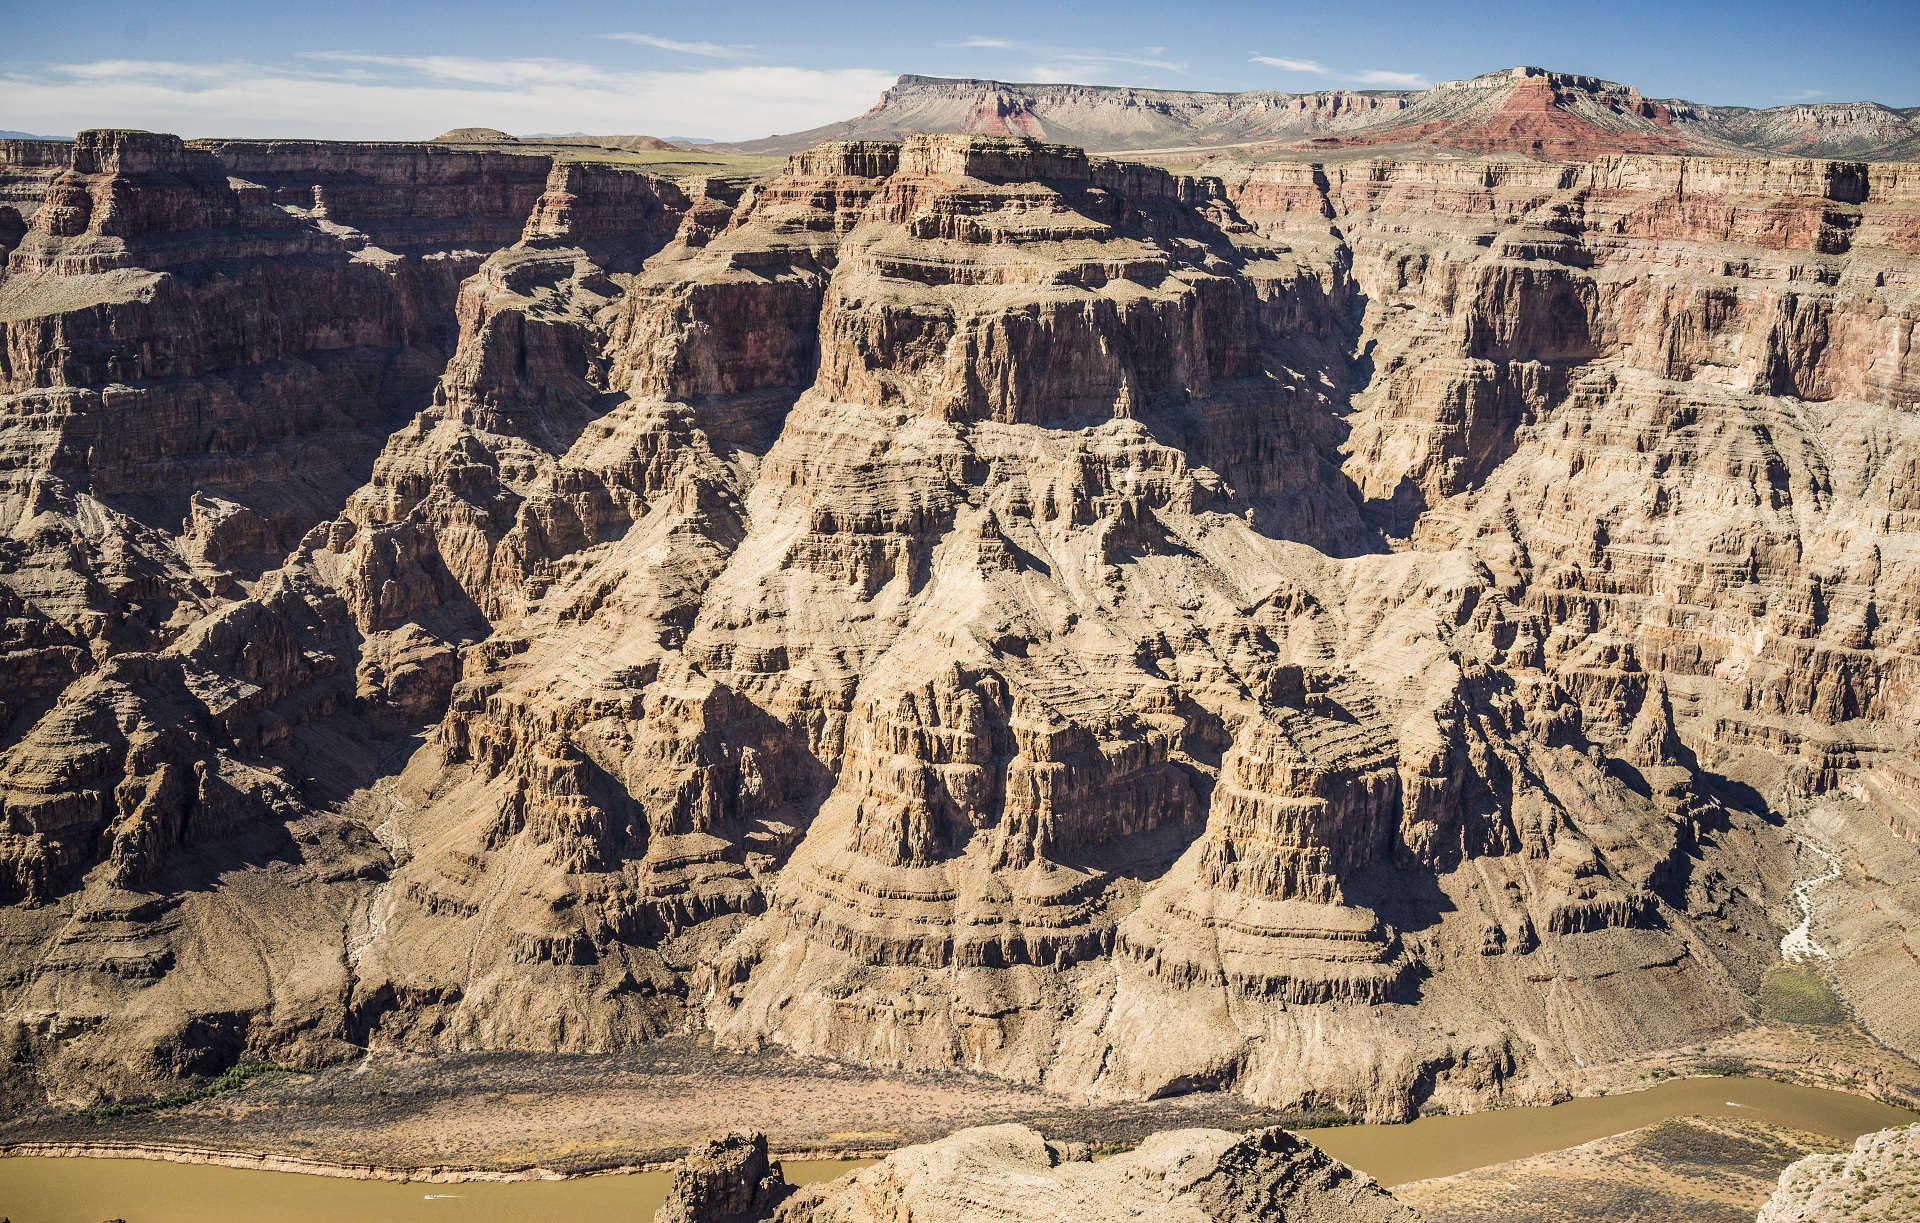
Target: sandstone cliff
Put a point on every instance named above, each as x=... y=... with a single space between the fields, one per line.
x=1344 y=634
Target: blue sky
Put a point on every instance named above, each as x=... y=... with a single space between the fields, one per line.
x=355 y=69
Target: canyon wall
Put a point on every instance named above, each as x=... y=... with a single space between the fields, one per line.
x=1346 y=633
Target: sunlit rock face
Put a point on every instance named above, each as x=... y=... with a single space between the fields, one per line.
x=1336 y=633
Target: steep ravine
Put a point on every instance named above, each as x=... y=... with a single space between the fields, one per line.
x=1340 y=634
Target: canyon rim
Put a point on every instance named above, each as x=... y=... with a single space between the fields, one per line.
x=1362 y=601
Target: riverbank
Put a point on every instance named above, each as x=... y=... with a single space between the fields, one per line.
x=509 y=1117
x=1723 y=1127
x=1703 y=1170
x=506 y=1117
x=1444 y=1146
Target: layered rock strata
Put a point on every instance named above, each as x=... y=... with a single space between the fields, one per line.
x=724 y=1180
x=198 y=369
x=1341 y=634
x=1516 y=112
x=1004 y=1171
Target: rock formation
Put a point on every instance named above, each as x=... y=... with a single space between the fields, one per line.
x=1340 y=633
x=1692 y=1168
x=1876 y=1182
x=1523 y=112
x=724 y=1180
x=1006 y=1171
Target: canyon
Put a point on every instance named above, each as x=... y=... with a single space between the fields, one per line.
x=1366 y=634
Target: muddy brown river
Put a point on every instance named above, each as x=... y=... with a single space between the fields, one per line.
x=47 y=1190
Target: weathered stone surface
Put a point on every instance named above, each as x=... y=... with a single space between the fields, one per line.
x=1876 y=1182
x=1340 y=634
x=1004 y=1171
x=724 y=1180
x=1702 y=1169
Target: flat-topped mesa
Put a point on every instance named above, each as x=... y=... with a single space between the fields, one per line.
x=1002 y=160
x=1523 y=111
x=131 y=151
x=1559 y=80
x=846 y=159
x=124 y=185
x=1103 y=117
x=994 y=159
x=1846 y=182
x=590 y=203
x=401 y=196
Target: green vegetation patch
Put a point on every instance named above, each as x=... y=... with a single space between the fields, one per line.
x=1797 y=993
x=234 y=1079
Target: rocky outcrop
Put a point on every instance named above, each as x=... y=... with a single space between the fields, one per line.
x=199 y=367
x=27 y=169
x=1004 y=1170
x=1878 y=1180
x=1681 y=1168
x=724 y=1180
x=1315 y=784
x=1340 y=634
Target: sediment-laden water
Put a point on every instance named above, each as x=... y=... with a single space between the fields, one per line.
x=1442 y=1146
x=52 y=1190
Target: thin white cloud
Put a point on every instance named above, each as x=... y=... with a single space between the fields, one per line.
x=498 y=73
x=1405 y=80
x=1087 y=64
x=120 y=69
x=1805 y=95
x=712 y=50
x=349 y=95
x=1366 y=76
x=1295 y=65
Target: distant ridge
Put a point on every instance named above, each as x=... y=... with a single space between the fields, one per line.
x=490 y=135
x=1524 y=111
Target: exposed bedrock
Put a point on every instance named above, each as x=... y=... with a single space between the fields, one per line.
x=1873 y=1180
x=1002 y=1170
x=727 y=1179
x=1340 y=634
